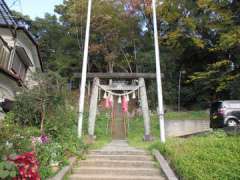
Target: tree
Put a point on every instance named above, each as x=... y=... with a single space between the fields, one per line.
x=33 y=105
x=59 y=49
x=112 y=33
x=200 y=37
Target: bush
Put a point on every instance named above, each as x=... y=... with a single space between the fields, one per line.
x=8 y=170
x=43 y=110
x=50 y=154
x=14 y=138
x=33 y=105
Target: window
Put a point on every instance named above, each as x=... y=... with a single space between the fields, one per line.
x=19 y=63
x=18 y=67
x=4 y=57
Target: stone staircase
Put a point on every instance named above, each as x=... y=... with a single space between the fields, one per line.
x=117 y=161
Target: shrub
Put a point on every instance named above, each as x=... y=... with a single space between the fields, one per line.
x=49 y=154
x=8 y=170
x=62 y=127
x=33 y=105
x=14 y=138
x=42 y=110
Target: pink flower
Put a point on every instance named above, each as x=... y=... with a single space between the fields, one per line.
x=44 y=139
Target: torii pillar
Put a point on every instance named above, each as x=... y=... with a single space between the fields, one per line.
x=93 y=109
x=145 y=110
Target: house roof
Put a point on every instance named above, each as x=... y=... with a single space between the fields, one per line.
x=7 y=20
x=5 y=14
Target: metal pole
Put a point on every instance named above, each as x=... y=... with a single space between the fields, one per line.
x=84 y=71
x=158 y=73
x=179 y=91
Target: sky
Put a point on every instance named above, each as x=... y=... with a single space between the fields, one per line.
x=34 y=8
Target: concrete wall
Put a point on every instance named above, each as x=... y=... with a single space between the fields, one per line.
x=176 y=128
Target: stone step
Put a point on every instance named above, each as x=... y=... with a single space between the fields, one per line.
x=116 y=163
x=117 y=171
x=117 y=152
x=118 y=144
x=110 y=177
x=121 y=157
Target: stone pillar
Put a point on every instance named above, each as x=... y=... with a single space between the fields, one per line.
x=93 y=108
x=145 y=110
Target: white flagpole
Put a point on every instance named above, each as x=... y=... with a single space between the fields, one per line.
x=84 y=71
x=158 y=74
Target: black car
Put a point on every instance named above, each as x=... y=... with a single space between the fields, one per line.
x=6 y=105
x=225 y=113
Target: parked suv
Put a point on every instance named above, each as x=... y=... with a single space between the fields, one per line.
x=225 y=113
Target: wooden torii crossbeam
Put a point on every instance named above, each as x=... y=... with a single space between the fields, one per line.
x=116 y=75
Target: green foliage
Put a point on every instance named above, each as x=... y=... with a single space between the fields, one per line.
x=194 y=36
x=103 y=134
x=187 y=115
x=136 y=126
x=62 y=127
x=7 y=170
x=14 y=138
x=59 y=121
x=50 y=154
x=214 y=153
x=136 y=132
x=59 y=48
x=33 y=105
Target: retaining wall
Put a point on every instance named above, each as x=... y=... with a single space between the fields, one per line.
x=176 y=128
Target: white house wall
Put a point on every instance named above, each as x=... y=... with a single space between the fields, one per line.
x=8 y=87
x=30 y=48
x=8 y=90
x=7 y=36
x=23 y=41
x=33 y=54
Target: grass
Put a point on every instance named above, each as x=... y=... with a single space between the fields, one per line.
x=187 y=115
x=204 y=157
x=136 y=132
x=103 y=135
x=210 y=156
x=136 y=128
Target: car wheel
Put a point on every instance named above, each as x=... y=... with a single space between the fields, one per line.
x=231 y=123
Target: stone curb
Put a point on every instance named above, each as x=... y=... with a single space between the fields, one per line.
x=61 y=174
x=164 y=165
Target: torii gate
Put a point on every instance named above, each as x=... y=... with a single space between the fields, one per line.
x=130 y=89
x=158 y=73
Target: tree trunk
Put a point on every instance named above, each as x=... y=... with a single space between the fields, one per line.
x=110 y=65
x=42 y=117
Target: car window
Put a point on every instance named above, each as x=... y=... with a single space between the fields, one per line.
x=215 y=106
x=234 y=105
